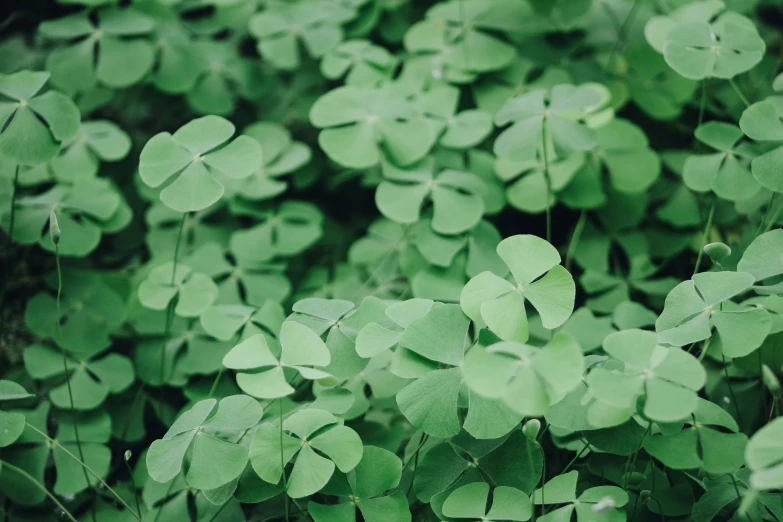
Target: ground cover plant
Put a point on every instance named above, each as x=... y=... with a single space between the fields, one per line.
x=391 y=260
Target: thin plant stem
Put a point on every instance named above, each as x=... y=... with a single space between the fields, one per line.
x=215 y=383
x=576 y=457
x=580 y=225
x=635 y=455
x=133 y=484
x=9 y=245
x=418 y=448
x=170 y=308
x=548 y=182
x=464 y=40
x=40 y=486
x=703 y=102
x=764 y=216
x=731 y=390
x=282 y=462
x=543 y=487
x=58 y=326
x=739 y=92
x=705 y=237
x=168 y=492
x=374 y=273
x=621 y=34
x=415 y=458
x=85 y=466
x=132 y=409
x=774 y=218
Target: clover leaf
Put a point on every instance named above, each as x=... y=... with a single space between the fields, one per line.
x=226 y=321
x=668 y=379
x=84 y=211
x=534 y=264
x=286 y=230
x=223 y=76
x=33 y=451
x=11 y=423
x=195 y=157
x=764 y=256
x=464 y=29
x=534 y=184
x=694 y=307
x=457 y=197
x=194 y=291
x=281 y=156
x=240 y=280
x=361 y=126
x=653 y=85
x=33 y=125
x=470 y=502
x=726 y=171
x=378 y=471
x=657 y=28
x=302 y=349
x=560 y=112
x=513 y=461
x=479 y=242
x=360 y=61
x=699 y=444
x=491 y=91
x=624 y=151
x=80 y=156
x=342 y=322
x=308 y=435
x=722 y=49
x=378 y=336
x=317 y=23
x=90 y=311
x=761 y=121
x=432 y=401
x=177 y=63
x=529 y=380
x=764 y=455
x=214 y=461
x=91 y=377
x=108 y=46
x=594 y=504
x=457 y=130
x=188 y=349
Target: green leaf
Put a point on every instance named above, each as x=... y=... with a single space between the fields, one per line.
x=197 y=156
x=501 y=305
x=214 y=461
x=430 y=403
x=729 y=46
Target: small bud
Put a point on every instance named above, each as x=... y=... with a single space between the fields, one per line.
x=54 y=228
x=717 y=251
x=605 y=504
x=531 y=428
x=770 y=380
x=644 y=495
x=635 y=478
x=128 y=454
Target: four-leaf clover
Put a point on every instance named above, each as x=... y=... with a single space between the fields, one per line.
x=197 y=156
x=538 y=278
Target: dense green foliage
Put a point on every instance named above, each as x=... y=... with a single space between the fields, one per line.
x=391 y=260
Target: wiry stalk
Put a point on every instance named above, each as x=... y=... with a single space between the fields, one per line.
x=704 y=238
x=548 y=182
x=20 y=471
x=54 y=229
x=170 y=308
x=282 y=462
x=86 y=467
